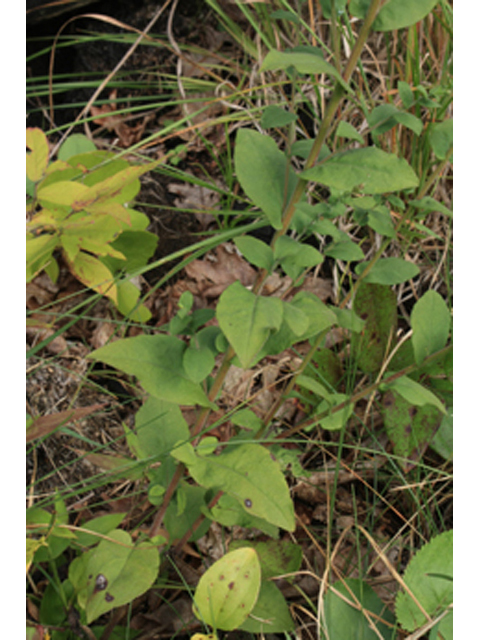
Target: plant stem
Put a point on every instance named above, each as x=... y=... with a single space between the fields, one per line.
x=362 y=394
x=335 y=100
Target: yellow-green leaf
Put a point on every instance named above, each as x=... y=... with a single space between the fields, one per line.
x=93 y=274
x=228 y=590
x=37 y=159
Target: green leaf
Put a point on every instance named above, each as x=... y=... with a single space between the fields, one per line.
x=247 y=473
x=304 y=317
x=101 y=525
x=386 y=116
x=75 y=144
x=345 y=250
x=379 y=220
x=346 y=130
x=440 y=135
x=198 y=362
x=335 y=421
x=160 y=426
x=157 y=361
x=229 y=512
x=274 y=116
x=57 y=539
x=427 y=576
x=127 y=302
x=262 y=170
x=427 y=204
x=344 y=606
x=348 y=319
x=247 y=320
x=37 y=159
x=112 y=574
x=295 y=256
x=306 y=382
x=442 y=442
x=52 y=609
x=228 y=590
x=328 y=366
x=388 y=271
x=415 y=393
x=410 y=428
x=431 y=322
x=406 y=94
x=295 y=318
x=255 y=251
x=395 y=14
x=137 y=247
x=319 y=315
x=369 y=169
x=276 y=557
x=308 y=60
x=377 y=305
x=270 y=613
x=184 y=510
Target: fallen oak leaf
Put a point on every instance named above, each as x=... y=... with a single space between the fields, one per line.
x=106 y=117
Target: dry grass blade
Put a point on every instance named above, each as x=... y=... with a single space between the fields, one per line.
x=107 y=79
x=44 y=425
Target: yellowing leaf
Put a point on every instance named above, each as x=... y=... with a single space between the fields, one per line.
x=37 y=159
x=228 y=590
x=111 y=186
x=93 y=274
x=63 y=192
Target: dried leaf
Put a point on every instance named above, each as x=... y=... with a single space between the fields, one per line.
x=116 y=122
x=44 y=425
x=220 y=269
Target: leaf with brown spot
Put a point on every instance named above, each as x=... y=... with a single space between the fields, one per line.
x=410 y=428
x=376 y=304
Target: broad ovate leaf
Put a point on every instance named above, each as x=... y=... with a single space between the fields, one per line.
x=415 y=393
x=250 y=475
x=440 y=135
x=228 y=590
x=430 y=324
x=409 y=427
x=159 y=425
x=375 y=304
x=75 y=143
x=394 y=14
x=262 y=170
x=113 y=573
x=270 y=613
x=428 y=577
x=157 y=361
x=247 y=320
x=369 y=169
x=344 y=616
